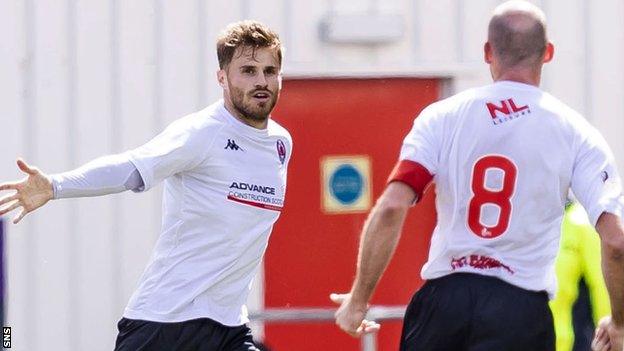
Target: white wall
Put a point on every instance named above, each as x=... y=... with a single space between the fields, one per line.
x=83 y=78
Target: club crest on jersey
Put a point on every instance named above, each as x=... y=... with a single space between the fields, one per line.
x=281 y=151
x=506 y=111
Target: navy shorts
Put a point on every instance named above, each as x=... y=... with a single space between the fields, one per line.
x=201 y=334
x=472 y=312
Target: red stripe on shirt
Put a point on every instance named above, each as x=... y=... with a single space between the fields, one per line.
x=415 y=175
x=255 y=204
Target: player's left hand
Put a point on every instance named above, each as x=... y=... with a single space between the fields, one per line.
x=350 y=316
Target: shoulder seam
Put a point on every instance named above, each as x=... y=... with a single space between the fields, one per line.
x=214 y=139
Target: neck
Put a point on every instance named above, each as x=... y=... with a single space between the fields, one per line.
x=239 y=116
x=520 y=75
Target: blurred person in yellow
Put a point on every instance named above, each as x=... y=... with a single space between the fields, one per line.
x=578 y=258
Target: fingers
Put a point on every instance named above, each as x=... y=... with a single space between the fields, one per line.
x=338 y=298
x=7 y=199
x=601 y=341
x=24 y=167
x=605 y=346
x=350 y=318
x=600 y=333
x=9 y=186
x=13 y=206
x=368 y=327
x=19 y=216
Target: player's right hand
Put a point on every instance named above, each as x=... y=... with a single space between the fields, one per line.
x=608 y=336
x=31 y=193
x=350 y=316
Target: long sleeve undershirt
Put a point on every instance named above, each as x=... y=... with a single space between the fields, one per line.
x=105 y=175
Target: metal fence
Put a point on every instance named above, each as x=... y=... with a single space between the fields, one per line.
x=325 y=315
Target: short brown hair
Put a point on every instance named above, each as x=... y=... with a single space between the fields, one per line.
x=246 y=34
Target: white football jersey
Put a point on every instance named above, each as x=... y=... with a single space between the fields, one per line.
x=503 y=157
x=224 y=189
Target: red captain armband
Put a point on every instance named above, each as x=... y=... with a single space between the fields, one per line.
x=415 y=175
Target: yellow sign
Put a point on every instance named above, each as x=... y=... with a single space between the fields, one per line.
x=346 y=184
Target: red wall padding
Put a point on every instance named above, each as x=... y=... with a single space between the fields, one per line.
x=312 y=254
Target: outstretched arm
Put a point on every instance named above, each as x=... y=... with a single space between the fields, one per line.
x=610 y=332
x=102 y=176
x=105 y=175
x=378 y=241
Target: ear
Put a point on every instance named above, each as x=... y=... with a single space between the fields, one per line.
x=487 y=53
x=549 y=53
x=222 y=78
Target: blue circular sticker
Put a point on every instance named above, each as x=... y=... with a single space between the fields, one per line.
x=346 y=184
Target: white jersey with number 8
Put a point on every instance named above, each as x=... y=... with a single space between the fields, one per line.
x=503 y=157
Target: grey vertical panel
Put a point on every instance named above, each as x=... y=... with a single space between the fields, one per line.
x=564 y=76
x=15 y=95
x=331 y=6
x=287 y=35
x=94 y=239
x=158 y=70
x=29 y=106
x=11 y=133
x=73 y=261
x=138 y=224
x=14 y=64
x=459 y=30
x=245 y=6
x=604 y=76
x=158 y=90
x=587 y=69
x=438 y=28
x=179 y=59
x=116 y=145
x=373 y=6
x=416 y=42
x=202 y=38
x=52 y=236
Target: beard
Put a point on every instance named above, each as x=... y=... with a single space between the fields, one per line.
x=250 y=109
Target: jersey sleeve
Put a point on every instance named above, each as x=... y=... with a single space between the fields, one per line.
x=104 y=175
x=595 y=179
x=183 y=145
x=422 y=143
x=418 y=160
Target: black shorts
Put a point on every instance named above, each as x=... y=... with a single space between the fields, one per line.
x=472 y=312
x=195 y=335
